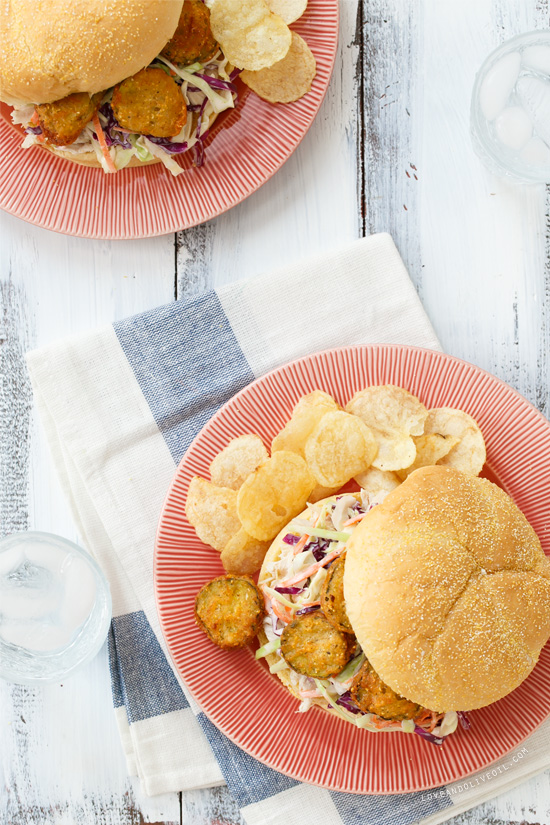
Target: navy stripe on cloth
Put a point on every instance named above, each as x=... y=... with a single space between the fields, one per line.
x=248 y=780
x=189 y=369
x=147 y=683
x=116 y=683
x=398 y=809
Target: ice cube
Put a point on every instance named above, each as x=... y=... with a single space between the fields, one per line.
x=537 y=58
x=534 y=93
x=514 y=127
x=35 y=635
x=536 y=152
x=498 y=84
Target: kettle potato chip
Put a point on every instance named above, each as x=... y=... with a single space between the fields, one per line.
x=236 y=461
x=340 y=446
x=394 y=415
x=243 y=554
x=287 y=80
x=306 y=415
x=289 y=10
x=212 y=511
x=430 y=448
x=273 y=494
x=469 y=454
x=250 y=35
x=374 y=480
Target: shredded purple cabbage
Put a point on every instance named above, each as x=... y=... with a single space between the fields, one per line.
x=169 y=146
x=199 y=120
x=293 y=591
x=290 y=538
x=217 y=83
x=347 y=702
x=198 y=152
x=319 y=548
x=305 y=610
x=435 y=740
x=464 y=720
x=234 y=74
x=33 y=130
x=112 y=136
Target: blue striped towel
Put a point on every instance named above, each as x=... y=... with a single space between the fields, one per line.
x=120 y=407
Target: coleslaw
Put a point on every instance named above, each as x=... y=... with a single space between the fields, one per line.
x=207 y=88
x=292 y=587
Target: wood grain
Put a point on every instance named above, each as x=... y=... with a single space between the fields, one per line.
x=389 y=151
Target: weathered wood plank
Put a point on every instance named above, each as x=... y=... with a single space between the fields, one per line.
x=61 y=757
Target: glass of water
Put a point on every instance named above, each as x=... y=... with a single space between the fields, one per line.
x=55 y=608
x=510 y=113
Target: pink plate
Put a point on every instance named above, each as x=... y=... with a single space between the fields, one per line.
x=246 y=146
x=242 y=698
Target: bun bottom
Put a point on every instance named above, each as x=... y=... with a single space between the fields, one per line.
x=90 y=158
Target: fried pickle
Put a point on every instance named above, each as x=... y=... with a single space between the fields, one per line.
x=193 y=39
x=150 y=103
x=63 y=120
x=333 y=603
x=230 y=610
x=372 y=695
x=312 y=646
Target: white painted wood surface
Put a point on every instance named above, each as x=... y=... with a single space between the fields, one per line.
x=389 y=151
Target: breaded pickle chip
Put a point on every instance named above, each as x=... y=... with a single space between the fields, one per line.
x=333 y=603
x=372 y=695
x=150 y=103
x=230 y=610
x=312 y=646
x=193 y=39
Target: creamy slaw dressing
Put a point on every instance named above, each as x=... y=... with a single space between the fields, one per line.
x=196 y=93
x=325 y=517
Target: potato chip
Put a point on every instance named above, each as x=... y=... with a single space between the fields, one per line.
x=273 y=494
x=250 y=35
x=394 y=415
x=212 y=511
x=236 y=461
x=243 y=554
x=287 y=80
x=340 y=446
x=319 y=492
x=430 y=449
x=469 y=454
x=306 y=415
x=374 y=480
x=289 y=10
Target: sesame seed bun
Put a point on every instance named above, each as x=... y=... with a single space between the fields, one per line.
x=448 y=591
x=52 y=48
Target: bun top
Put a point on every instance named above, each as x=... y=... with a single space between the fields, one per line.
x=448 y=590
x=52 y=48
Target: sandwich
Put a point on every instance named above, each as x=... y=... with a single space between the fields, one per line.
x=113 y=83
x=404 y=610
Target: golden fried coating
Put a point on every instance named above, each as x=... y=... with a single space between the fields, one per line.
x=230 y=610
x=150 y=103
x=373 y=696
x=193 y=39
x=63 y=120
x=312 y=646
x=333 y=603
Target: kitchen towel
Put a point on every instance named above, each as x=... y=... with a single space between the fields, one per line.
x=121 y=405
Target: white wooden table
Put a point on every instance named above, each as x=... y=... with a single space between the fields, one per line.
x=389 y=151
